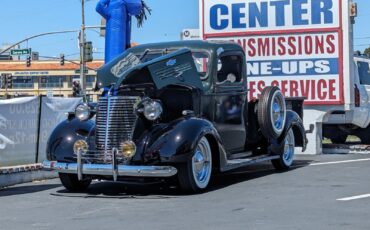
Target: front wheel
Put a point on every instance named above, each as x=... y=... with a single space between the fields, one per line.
x=72 y=184
x=196 y=174
x=286 y=157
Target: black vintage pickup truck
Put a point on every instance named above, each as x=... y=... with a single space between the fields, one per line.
x=175 y=110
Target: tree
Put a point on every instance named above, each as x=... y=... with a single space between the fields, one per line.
x=367 y=52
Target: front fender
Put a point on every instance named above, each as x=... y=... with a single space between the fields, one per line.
x=177 y=140
x=60 y=144
x=292 y=121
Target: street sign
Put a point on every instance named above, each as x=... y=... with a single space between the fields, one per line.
x=17 y=52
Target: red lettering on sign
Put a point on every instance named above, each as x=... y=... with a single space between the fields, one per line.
x=282 y=50
x=252 y=90
x=305 y=87
x=308 y=45
x=313 y=90
x=329 y=40
x=313 y=85
x=319 y=45
x=294 y=89
x=284 y=89
x=252 y=50
x=275 y=83
x=332 y=90
x=273 y=47
x=261 y=86
x=322 y=89
x=263 y=47
x=292 y=48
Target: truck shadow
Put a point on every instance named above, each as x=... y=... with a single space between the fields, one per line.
x=27 y=189
x=160 y=190
x=245 y=174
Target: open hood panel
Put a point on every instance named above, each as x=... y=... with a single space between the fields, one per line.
x=174 y=68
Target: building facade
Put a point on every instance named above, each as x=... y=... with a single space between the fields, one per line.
x=46 y=78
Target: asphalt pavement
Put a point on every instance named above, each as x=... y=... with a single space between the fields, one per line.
x=320 y=192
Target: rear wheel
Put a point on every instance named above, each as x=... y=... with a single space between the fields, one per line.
x=286 y=156
x=196 y=174
x=72 y=184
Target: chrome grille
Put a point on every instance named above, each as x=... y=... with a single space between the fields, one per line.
x=115 y=121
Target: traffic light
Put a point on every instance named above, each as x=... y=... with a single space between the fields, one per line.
x=76 y=88
x=9 y=81
x=35 y=56
x=28 y=63
x=3 y=81
x=88 y=52
x=62 y=59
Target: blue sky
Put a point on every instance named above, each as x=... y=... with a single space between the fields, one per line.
x=23 y=18
x=362 y=29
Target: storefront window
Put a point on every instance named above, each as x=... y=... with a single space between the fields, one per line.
x=52 y=81
x=23 y=82
x=90 y=81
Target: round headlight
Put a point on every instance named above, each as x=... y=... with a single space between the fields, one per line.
x=82 y=112
x=128 y=149
x=80 y=146
x=152 y=110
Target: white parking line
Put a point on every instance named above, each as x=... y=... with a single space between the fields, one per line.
x=340 y=162
x=354 y=197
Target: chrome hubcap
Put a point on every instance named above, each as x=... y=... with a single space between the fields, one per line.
x=288 y=155
x=202 y=163
x=278 y=112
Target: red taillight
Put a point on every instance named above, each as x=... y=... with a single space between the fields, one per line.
x=357 y=96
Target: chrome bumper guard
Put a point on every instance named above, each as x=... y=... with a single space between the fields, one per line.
x=113 y=169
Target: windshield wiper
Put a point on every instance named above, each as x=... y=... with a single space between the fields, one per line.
x=144 y=54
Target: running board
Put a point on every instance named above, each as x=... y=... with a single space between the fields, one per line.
x=237 y=163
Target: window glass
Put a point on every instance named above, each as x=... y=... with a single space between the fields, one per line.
x=201 y=60
x=90 y=80
x=52 y=81
x=25 y=82
x=363 y=71
x=229 y=69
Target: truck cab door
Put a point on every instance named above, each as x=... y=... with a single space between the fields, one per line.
x=230 y=99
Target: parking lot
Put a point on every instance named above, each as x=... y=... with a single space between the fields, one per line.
x=321 y=192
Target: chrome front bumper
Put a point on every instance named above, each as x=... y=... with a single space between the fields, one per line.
x=113 y=169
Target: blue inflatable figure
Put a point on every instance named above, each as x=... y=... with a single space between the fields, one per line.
x=118 y=28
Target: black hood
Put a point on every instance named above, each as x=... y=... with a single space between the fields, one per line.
x=174 y=68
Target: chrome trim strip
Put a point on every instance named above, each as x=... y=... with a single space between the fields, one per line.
x=106 y=169
x=107 y=125
x=79 y=165
x=114 y=164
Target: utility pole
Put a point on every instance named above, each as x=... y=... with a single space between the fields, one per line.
x=82 y=51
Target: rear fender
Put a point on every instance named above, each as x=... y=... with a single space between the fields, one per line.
x=293 y=121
